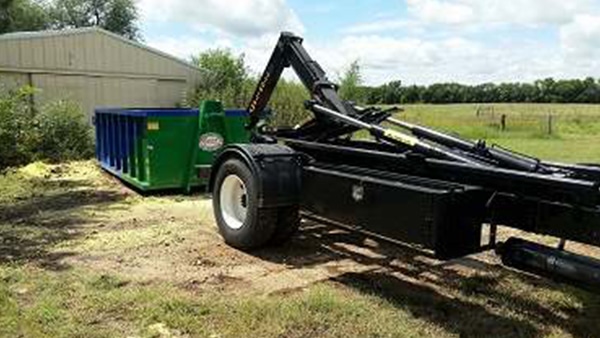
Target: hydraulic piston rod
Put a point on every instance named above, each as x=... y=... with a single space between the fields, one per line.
x=503 y=157
x=394 y=136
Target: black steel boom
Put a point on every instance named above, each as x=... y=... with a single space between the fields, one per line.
x=290 y=52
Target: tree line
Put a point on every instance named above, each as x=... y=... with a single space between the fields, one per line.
x=117 y=16
x=229 y=76
x=546 y=90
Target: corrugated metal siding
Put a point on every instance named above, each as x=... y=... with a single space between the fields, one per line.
x=13 y=80
x=94 y=68
x=93 y=92
x=90 y=52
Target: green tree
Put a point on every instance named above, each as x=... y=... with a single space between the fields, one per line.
x=350 y=83
x=117 y=16
x=225 y=70
x=23 y=15
x=121 y=17
x=224 y=77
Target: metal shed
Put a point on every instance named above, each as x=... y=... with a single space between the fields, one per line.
x=95 y=68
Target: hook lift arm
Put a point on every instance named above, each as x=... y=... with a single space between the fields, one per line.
x=335 y=117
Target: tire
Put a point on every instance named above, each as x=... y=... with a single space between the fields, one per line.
x=235 y=203
x=288 y=222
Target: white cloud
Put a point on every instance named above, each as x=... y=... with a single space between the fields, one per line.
x=236 y=17
x=186 y=46
x=579 y=40
x=527 y=12
x=256 y=51
x=384 y=25
x=441 y=40
x=406 y=51
x=442 y=11
x=413 y=60
x=454 y=59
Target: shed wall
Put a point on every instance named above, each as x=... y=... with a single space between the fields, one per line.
x=95 y=69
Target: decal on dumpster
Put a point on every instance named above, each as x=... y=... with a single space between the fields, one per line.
x=153 y=126
x=211 y=142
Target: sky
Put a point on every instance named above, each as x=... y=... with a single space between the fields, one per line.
x=415 y=41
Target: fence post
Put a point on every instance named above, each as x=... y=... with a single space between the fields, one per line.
x=503 y=122
x=550 y=124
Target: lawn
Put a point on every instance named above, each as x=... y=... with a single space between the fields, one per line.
x=560 y=132
x=83 y=256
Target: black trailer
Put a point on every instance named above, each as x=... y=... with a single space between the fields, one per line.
x=408 y=183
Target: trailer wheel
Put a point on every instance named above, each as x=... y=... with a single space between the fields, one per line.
x=288 y=221
x=241 y=222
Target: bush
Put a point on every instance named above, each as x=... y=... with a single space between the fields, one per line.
x=16 y=127
x=227 y=79
x=63 y=133
x=58 y=132
x=288 y=103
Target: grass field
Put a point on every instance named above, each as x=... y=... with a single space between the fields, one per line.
x=83 y=256
x=573 y=136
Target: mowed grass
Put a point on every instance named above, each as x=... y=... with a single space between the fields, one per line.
x=559 y=132
x=37 y=303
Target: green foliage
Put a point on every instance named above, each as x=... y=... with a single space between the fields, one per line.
x=350 y=83
x=541 y=91
x=23 y=15
x=15 y=127
x=287 y=103
x=117 y=16
x=225 y=70
x=121 y=18
x=59 y=131
x=63 y=133
x=225 y=78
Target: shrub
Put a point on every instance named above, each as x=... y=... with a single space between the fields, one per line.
x=16 y=127
x=227 y=79
x=288 y=103
x=58 y=132
x=63 y=133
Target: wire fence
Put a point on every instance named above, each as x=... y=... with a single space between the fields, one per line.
x=480 y=120
x=548 y=123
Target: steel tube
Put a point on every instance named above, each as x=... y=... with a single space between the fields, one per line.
x=542 y=260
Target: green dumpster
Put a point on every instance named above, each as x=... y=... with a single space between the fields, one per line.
x=165 y=148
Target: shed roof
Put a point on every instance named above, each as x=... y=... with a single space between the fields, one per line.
x=85 y=30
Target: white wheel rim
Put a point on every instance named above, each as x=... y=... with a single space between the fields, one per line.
x=234 y=201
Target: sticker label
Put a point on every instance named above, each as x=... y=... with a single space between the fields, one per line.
x=153 y=125
x=400 y=137
x=211 y=142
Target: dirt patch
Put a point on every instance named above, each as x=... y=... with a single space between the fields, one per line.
x=109 y=228
x=63 y=222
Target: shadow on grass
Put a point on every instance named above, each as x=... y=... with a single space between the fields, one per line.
x=31 y=227
x=473 y=305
